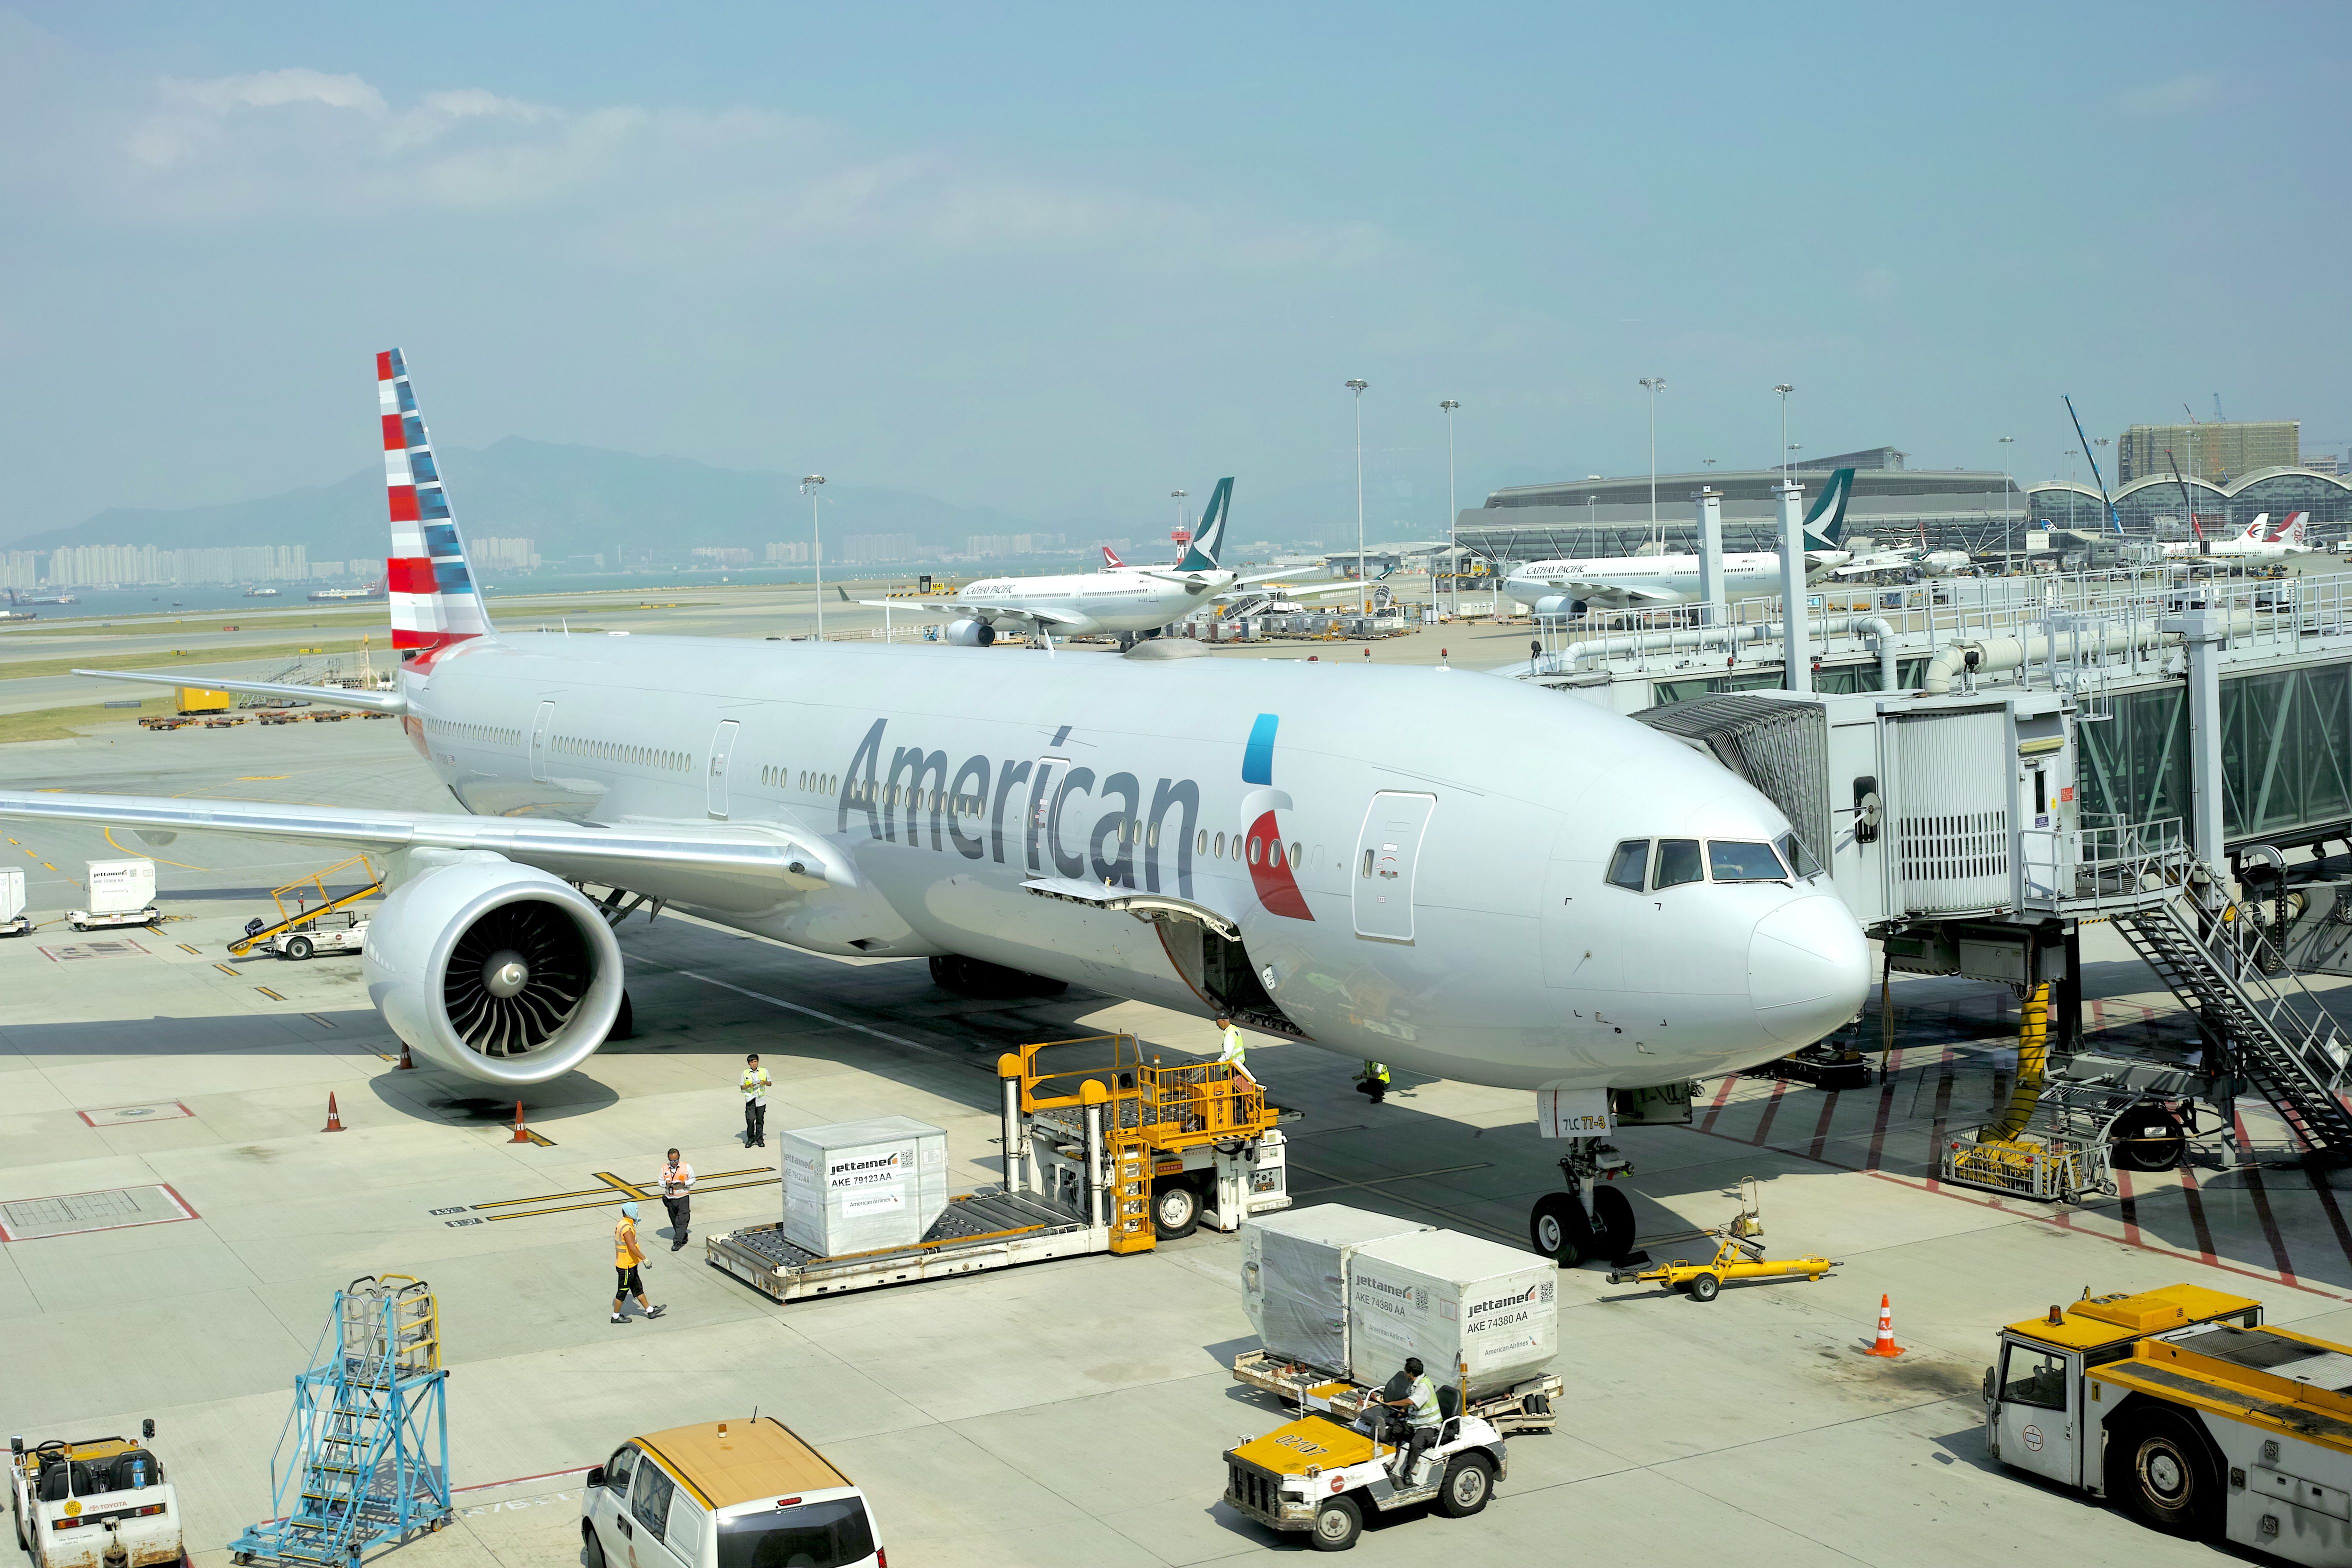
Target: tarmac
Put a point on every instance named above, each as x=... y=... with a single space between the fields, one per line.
x=1070 y=1412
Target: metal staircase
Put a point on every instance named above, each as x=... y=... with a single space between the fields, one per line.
x=370 y=1461
x=2278 y=1038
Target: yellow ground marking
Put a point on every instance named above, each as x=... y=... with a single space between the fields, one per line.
x=183 y=864
x=261 y=778
x=224 y=969
x=615 y=1190
x=266 y=991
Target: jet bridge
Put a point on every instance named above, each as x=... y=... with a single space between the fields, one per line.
x=1954 y=828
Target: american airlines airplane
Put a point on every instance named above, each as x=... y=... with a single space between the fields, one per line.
x=1446 y=870
x=1647 y=582
x=1121 y=600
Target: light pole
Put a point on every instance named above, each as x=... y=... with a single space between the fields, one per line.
x=1363 y=589
x=1656 y=384
x=1784 y=388
x=809 y=483
x=1453 y=511
x=1178 y=497
x=2008 y=504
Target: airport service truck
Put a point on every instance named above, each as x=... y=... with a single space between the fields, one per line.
x=121 y=893
x=100 y=1502
x=2182 y=1407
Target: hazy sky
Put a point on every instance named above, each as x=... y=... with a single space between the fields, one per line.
x=1062 y=260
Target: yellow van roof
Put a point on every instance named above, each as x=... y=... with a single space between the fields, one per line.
x=743 y=1460
x=2097 y=1320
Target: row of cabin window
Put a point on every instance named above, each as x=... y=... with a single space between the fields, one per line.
x=780 y=777
x=620 y=752
x=479 y=732
x=1678 y=861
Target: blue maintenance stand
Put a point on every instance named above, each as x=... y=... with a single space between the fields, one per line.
x=364 y=1459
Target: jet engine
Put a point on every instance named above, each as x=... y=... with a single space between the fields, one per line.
x=501 y=972
x=1558 y=605
x=971 y=632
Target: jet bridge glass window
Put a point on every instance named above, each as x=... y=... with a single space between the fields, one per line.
x=1625 y=867
x=2035 y=1377
x=1678 y=862
x=1740 y=860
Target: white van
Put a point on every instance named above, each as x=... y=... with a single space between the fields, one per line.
x=725 y=1494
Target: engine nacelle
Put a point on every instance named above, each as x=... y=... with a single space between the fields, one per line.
x=969 y=632
x=502 y=972
x=1558 y=605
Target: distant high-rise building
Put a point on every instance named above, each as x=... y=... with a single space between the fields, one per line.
x=788 y=554
x=2221 y=451
x=503 y=554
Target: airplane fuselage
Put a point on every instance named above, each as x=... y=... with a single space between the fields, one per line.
x=1414 y=859
x=1619 y=581
x=1091 y=602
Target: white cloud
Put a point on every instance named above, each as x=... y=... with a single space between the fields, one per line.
x=276 y=89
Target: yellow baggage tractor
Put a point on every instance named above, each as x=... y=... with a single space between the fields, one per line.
x=100 y=1502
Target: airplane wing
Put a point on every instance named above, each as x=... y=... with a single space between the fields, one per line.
x=1321 y=589
x=1027 y=614
x=693 y=863
x=1623 y=595
x=334 y=696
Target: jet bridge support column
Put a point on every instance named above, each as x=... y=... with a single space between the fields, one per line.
x=1796 y=630
x=2204 y=633
x=1710 y=554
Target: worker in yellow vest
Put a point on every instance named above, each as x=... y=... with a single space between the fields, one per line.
x=755 y=1086
x=627 y=1258
x=1374 y=1080
x=1236 y=1054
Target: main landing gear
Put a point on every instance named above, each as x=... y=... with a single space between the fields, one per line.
x=1591 y=1218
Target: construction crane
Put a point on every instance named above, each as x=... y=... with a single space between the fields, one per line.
x=2092 y=457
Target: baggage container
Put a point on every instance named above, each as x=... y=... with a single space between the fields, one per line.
x=121 y=887
x=1295 y=1277
x=862 y=1186
x=12 y=922
x=1448 y=1299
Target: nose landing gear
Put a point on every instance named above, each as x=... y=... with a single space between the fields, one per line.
x=1592 y=1218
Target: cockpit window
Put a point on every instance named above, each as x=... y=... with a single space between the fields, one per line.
x=1800 y=858
x=1625 y=867
x=1735 y=860
x=1678 y=862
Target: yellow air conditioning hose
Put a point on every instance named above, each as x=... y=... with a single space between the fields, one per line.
x=2032 y=1062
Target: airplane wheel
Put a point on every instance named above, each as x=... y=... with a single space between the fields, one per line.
x=1559 y=1230
x=1612 y=1223
x=299 y=948
x=1337 y=1525
x=1704 y=1288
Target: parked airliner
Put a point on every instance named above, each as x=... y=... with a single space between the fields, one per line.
x=2258 y=542
x=1450 y=871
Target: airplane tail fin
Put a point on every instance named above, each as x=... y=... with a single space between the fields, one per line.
x=2256 y=530
x=1209 y=539
x=2291 y=531
x=1825 y=535
x=1111 y=560
x=433 y=600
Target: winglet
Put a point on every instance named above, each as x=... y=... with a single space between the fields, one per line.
x=1209 y=539
x=433 y=597
x=1834 y=495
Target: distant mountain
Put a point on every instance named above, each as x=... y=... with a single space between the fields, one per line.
x=572 y=500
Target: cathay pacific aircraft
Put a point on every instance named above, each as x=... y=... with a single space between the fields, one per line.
x=1445 y=871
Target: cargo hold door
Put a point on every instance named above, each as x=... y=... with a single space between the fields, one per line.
x=1387 y=852
x=722 y=748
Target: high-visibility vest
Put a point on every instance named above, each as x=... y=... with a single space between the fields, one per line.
x=756 y=1083
x=624 y=1243
x=1423 y=1410
x=680 y=1175
x=1376 y=1072
x=1235 y=1052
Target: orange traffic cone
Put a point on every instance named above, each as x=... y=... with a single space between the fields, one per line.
x=406 y=1065
x=520 y=1135
x=334 y=1120
x=1885 y=1346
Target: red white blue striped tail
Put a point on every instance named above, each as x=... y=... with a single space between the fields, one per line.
x=433 y=600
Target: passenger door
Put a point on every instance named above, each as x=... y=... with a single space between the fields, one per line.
x=608 y=1507
x=1387 y=851
x=539 y=730
x=2035 y=1423
x=722 y=749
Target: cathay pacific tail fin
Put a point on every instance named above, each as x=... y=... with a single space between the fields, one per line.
x=1209 y=539
x=1823 y=535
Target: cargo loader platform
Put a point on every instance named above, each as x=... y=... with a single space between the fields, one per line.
x=1525 y=1407
x=982 y=1230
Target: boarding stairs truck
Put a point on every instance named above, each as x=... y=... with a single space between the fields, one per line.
x=121 y=893
x=2180 y=1406
x=100 y=1502
x=1104 y=1151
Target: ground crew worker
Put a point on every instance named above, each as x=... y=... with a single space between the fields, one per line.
x=1374 y=1081
x=627 y=1258
x=677 y=1180
x=1235 y=1052
x=1419 y=1404
x=755 y=1086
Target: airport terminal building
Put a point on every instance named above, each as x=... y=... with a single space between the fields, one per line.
x=1968 y=509
x=2160 y=506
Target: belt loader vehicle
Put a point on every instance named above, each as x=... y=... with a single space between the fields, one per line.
x=2182 y=1408
x=102 y=1502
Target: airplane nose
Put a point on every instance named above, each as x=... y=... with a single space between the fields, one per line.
x=1808 y=968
